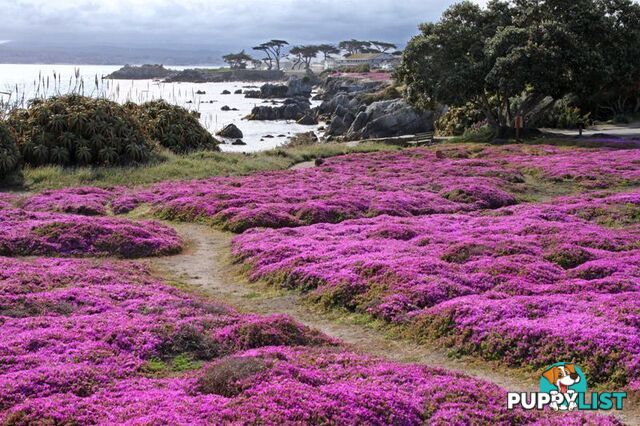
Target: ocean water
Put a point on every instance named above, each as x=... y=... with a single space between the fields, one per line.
x=22 y=82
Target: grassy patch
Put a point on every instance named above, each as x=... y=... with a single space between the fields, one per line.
x=190 y=166
x=157 y=367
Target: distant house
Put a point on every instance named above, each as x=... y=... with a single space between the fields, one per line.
x=374 y=60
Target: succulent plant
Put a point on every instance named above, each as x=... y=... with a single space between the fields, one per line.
x=72 y=129
x=173 y=127
x=9 y=155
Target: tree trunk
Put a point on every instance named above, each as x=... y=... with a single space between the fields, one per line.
x=486 y=108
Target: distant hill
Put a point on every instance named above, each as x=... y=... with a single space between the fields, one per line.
x=31 y=53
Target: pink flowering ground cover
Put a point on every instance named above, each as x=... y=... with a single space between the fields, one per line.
x=24 y=233
x=525 y=284
x=590 y=168
x=7 y=200
x=83 y=342
x=82 y=200
x=414 y=182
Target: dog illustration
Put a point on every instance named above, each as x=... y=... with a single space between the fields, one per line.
x=562 y=377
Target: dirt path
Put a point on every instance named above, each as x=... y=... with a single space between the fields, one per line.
x=205 y=265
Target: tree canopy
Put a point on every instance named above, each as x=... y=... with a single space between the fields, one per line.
x=303 y=55
x=327 y=50
x=489 y=56
x=237 y=60
x=354 y=46
x=274 y=51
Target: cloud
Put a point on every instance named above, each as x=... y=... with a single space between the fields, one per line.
x=237 y=23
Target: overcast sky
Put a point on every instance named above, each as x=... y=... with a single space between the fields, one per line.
x=221 y=23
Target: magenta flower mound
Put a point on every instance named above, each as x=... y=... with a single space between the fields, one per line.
x=406 y=183
x=526 y=284
x=83 y=200
x=24 y=233
x=7 y=200
x=83 y=342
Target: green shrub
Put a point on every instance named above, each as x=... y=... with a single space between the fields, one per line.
x=456 y=120
x=621 y=119
x=173 y=127
x=386 y=94
x=9 y=154
x=563 y=114
x=356 y=68
x=78 y=130
x=479 y=132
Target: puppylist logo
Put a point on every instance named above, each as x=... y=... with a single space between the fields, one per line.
x=563 y=387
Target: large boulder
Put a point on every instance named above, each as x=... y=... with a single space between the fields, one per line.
x=389 y=118
x=268 y=91
x=337 y=127
x=329 y=106
x=290 y=109
x=333 y=86
x=295 y=87
x=308 y=120
x=230 y=131
x=299 y=87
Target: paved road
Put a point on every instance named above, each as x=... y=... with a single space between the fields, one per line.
x=626 y=130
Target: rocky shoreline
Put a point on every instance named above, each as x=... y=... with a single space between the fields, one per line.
x=352 y=108
x=193 y=75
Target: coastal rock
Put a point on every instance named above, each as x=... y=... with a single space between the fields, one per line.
x=307 y=120
x=238 y=142
x=238 y=92
x=254 y=94
x=295 y=87
x=291 y=109
x=225 y=108
x=389 y=118
x=337 y=127
x=299 y=87
x=201 y=75
x=269 y=90
x=142 y=72
x=329 y=106
x=230 y=131
x=195 y=76
x=359 y=122
x=200 y=92
x=333 y=86
x=225 y=92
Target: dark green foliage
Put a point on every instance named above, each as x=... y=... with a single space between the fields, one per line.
x=173 y=127
x=528 y=48
x=361 y=68
x=9 y=154
x=78 y=130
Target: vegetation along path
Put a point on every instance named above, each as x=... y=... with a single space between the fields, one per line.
x=206 y=266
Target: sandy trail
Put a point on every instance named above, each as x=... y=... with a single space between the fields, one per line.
x=205 y=265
